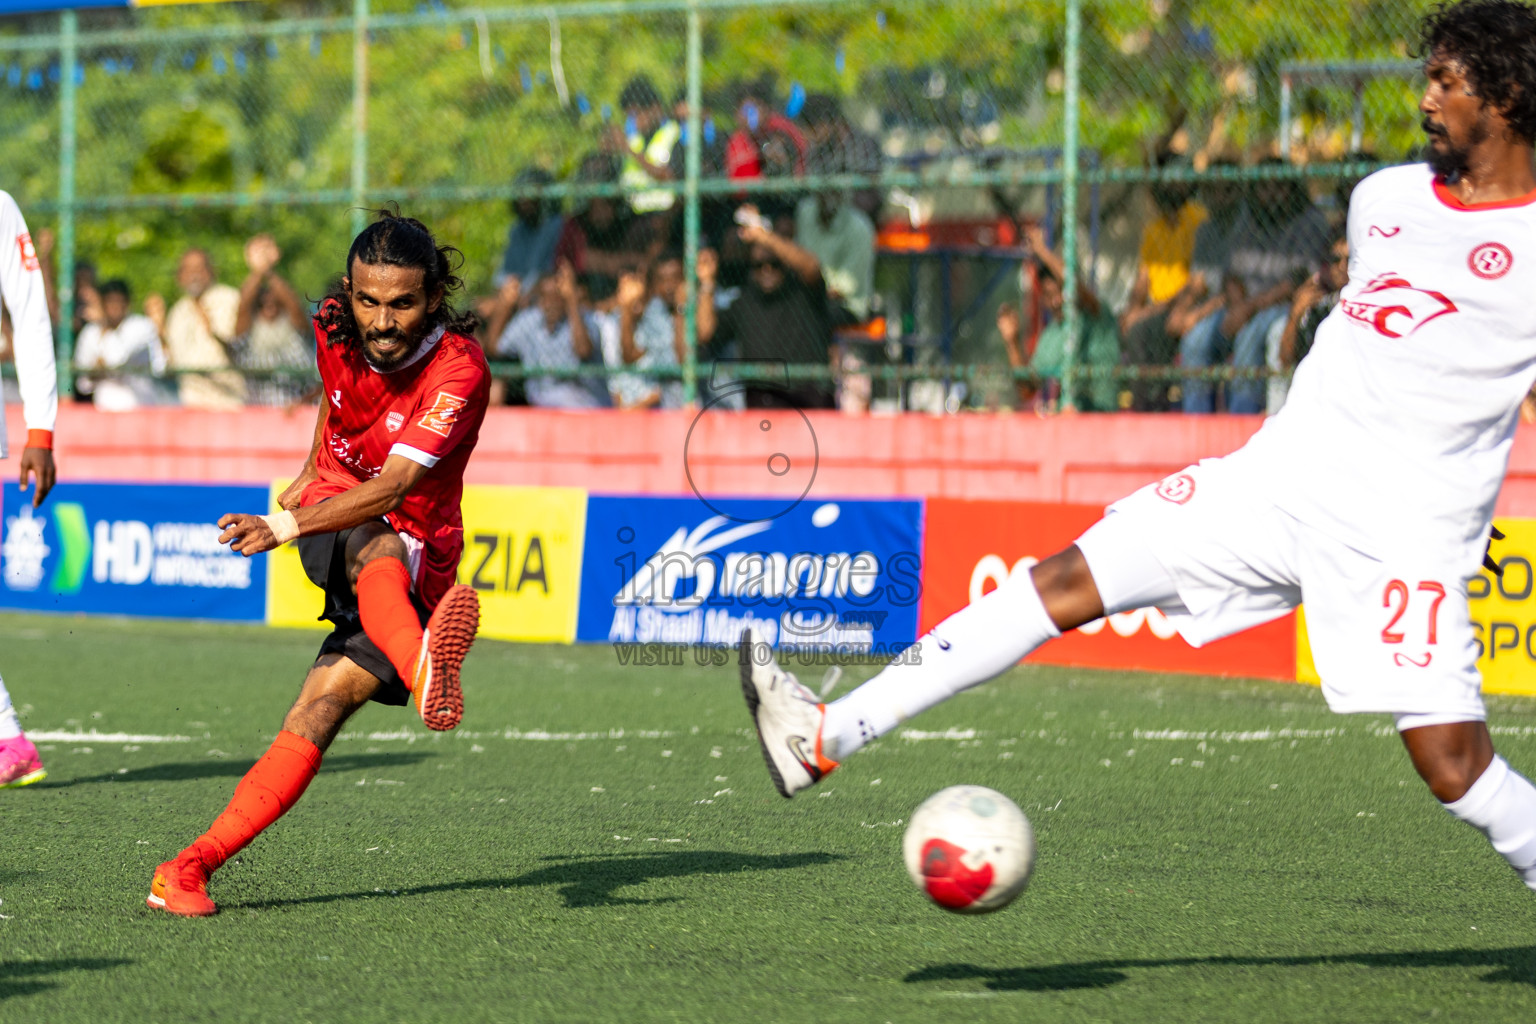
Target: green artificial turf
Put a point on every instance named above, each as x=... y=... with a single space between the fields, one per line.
x=601 y=843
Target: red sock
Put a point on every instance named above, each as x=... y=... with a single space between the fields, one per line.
x=273 y=785
x=389 y=617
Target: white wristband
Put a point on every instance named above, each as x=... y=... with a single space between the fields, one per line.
x=283 y=526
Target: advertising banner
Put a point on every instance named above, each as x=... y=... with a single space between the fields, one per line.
x=1503 y=616
x=972 y=546
x=839 y=576
x=522 y=553
x=131 y=549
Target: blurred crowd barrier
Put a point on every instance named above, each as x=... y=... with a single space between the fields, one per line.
x=1140 y=155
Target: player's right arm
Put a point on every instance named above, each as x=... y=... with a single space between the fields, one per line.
x=21 y=282
x=289 y=499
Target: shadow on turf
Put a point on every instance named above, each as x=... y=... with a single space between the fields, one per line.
x=1511 y=965
x=592 y=881
x=180 y=771
x=16 y=977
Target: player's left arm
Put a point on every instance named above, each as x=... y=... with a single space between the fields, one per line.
x=21 y=285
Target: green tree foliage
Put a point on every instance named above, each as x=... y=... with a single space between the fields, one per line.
x=456 y=108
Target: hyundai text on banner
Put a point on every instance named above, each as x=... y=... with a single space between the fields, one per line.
x=972 y=546
x=839 y=576
x=522 y=554
x=130 y=549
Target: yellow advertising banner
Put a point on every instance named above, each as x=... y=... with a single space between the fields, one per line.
x=522 y=553
x=1503 y=616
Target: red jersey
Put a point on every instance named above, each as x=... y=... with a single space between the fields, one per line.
x=428 y=411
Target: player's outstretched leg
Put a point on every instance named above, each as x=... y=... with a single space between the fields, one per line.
x=1476 y=785
x=427 y=659
x=20 y=764
x=803 y=740
x=334 y=689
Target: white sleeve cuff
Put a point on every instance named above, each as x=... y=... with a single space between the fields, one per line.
x=415 y=455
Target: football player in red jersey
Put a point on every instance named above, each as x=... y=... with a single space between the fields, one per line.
x=376 y=515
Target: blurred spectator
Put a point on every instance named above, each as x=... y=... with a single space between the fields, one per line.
x=1162 y=275
x=1290 y=340
x=780 y=316
x=1098 y=337
x=650 y=138
x=842 y=239
x=766 y=144
x=198 y=334
x=835 y=147
x=271 y=327
x=1271 y=246
x=119 y=356
x=714 y=209
x=87 y=298
x=530 y=250
x=651 y=326
x=554 y=334
x=603 y=239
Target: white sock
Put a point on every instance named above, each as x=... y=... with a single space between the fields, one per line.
x=970 y=647
x=10 y=726
x=1502 y=806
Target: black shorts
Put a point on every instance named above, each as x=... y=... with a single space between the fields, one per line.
x=324 y=557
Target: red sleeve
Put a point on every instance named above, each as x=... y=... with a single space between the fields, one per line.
x=449 y=408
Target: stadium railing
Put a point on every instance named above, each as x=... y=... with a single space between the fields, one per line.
x=135 y=133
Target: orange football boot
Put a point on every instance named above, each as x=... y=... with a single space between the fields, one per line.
x=444 y=642
x=180 y=886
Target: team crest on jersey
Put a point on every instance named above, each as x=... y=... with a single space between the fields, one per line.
x=1393 y=308
x=1177 y=489
x=394 y=421
x=28 y=251
x=1490 y=261
x=439 y=419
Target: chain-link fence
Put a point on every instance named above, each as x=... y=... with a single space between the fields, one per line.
x=955 y=169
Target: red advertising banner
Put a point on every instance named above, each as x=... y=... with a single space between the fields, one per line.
x=971 y=546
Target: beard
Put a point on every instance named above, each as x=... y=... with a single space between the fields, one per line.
x=385 y=362
x=1449 y=161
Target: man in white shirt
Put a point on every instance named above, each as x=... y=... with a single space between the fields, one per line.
x=21 y=288
x=119 y=356
x=198 y=334
x=1370 y=494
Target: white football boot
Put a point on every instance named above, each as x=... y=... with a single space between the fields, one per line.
x=788 y=717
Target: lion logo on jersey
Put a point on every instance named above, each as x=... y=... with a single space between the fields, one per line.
x=1394 y=308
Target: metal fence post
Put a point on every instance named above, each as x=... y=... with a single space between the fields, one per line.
x=65 y=328
x=691 y=206
x=1069 y=311
x=359 y=115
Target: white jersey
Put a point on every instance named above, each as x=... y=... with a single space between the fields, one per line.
x=1399 y=423
x=21 y=288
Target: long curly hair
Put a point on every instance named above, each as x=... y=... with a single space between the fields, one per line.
x=396 y=241
x=1495 y=41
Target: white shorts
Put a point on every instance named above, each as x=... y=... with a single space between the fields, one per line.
x=1204 y=546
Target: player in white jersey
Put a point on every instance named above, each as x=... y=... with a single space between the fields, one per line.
x=1369 y=496
x=21 y=288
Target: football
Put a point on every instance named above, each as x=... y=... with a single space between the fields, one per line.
x=970 y=849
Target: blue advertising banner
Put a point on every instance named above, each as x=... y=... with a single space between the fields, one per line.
x=838 y=575
x=131 y=549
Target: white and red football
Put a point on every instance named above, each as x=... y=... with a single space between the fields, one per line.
x=970 y=849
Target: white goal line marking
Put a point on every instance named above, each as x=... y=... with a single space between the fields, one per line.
x=61 y=736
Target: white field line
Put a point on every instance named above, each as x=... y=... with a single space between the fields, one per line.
x=531 y=735
x=60 y=736
x=951 y=733
x=1251 y=736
